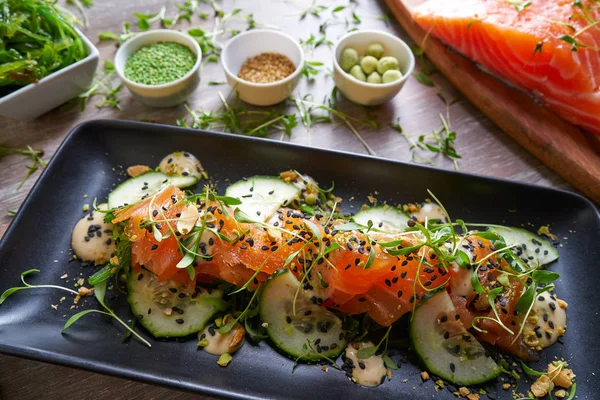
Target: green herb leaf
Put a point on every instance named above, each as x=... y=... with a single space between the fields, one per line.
x=532 y=372
x=101 y=275
x=526 y=299
x=366 y=352
x=100 y=292
x=405 y=250
x=8 y=292
x=543 y=276
x=389 y=363
x=423 y=79
x=462 y=259
x=80 y=314
x=475 y=282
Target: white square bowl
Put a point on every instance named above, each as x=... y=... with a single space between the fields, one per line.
x=35 y=99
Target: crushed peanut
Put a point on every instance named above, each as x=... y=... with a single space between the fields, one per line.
x=463 y=391
x=542 y=386
x=424 y=376
x=562 y=377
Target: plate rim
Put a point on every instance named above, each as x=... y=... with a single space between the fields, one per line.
x=136 y=375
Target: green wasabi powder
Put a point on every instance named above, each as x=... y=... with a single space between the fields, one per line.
x=159 y=63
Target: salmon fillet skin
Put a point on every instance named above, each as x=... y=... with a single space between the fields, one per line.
x=549 y=48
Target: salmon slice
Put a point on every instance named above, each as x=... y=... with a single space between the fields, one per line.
x=526 y=49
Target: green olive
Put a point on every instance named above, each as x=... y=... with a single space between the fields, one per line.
x=387 y=63
x=391 y=75
x=374 y=77
x=375 y=50
x=368 y=64
x=349 y=59
x=358 y=73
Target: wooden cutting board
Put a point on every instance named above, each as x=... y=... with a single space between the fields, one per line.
x=572 y=153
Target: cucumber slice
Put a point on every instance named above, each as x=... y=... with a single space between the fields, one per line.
x=142 y=186
x=445 y=346
x=183 y=182
x=312 y=324
x=262 y=196
x=533 y=249
x=138 y=188
x=384 y=218
x=168 y=309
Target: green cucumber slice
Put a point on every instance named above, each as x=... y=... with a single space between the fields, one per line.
x=446 y=347
x=532 y=249
x=183 y=182
x=138 y=188
x=262 y=196
x=142 y=186
x=384 y=218
x=164 y=311
x=313 y=333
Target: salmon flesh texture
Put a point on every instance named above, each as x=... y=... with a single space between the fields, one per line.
x=530 y=48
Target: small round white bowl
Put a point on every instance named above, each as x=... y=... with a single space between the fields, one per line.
x=167 y=94
x=250 y=44
x=371 y=94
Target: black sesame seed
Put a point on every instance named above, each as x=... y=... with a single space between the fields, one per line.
x=179 y=321
x=452 y=367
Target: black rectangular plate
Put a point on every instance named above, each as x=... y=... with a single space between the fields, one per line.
x=86 y=163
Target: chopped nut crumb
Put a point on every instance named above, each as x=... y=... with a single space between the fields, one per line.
x=288 y=176
x=83 y=291
x=560 y=393
x=473 y=396
x=562 y=377
x=506 y=386
x=562 y=304
x=463 y=391
x=542 y=386
x=224 y=360
x=65 y=276
x=424 y=376
x=53 y=306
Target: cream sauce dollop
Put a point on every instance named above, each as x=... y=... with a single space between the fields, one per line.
x=368 y=372
x=92 y=238
x=546 y=322
x=218 y=344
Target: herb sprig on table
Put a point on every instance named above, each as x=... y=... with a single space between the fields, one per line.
x=35 y=155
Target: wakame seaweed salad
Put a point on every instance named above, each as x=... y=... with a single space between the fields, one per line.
x=36 y=39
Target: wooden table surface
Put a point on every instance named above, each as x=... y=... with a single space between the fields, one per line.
x=484 y=148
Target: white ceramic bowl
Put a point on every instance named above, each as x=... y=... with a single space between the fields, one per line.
x=253 y=43
x=371 y=94
x=167 y=94
x=36 y=99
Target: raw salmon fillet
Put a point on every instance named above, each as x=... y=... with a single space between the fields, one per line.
x=525 y=48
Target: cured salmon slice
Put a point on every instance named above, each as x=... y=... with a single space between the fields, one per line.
x=549 y=48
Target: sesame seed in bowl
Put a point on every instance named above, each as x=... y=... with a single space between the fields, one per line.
x=263 y=66
x=267 y=68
